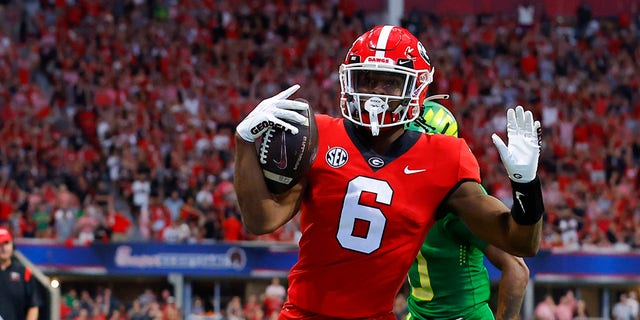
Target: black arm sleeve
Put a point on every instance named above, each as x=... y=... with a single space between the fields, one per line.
x=528 y=206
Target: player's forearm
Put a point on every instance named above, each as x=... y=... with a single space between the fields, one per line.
x=525 y=240
x=261 y=212
x=489 y=219
x=32 y=313
x=516 y=239
x=511 y=290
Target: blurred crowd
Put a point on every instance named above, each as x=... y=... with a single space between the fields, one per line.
x=117 y=117
x=100 y=303
x=569 y=307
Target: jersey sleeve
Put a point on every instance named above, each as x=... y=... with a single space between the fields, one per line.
x=469 y=168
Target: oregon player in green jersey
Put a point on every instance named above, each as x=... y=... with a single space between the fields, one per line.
x=448 y=278
x=435 y=118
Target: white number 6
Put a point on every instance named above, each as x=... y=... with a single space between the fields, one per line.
x=352 y=209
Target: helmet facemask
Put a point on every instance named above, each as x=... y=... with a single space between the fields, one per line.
x=396 y=103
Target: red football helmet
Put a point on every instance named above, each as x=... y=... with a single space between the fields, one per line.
x=392 y=59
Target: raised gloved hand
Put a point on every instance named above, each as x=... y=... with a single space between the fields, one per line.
x=520 y=157
x=272 y=112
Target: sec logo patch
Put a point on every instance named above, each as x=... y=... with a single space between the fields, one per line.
x=337 y=157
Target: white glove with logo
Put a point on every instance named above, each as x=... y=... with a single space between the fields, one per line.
x=520 y=158
x=272 y=112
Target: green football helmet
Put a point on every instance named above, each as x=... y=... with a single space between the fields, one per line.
x=435 y=118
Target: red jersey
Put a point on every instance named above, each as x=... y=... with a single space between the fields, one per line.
x=364 y=217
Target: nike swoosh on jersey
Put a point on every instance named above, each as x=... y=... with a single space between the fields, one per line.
x=282 y=164
x=412 y=171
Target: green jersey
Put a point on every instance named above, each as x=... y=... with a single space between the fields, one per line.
x=448 y=278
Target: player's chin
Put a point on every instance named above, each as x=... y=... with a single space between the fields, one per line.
x=389 y=131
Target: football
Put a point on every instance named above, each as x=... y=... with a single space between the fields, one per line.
x=285 y=157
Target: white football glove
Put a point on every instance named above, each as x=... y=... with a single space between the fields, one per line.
x=520 y=158
x=272 y=112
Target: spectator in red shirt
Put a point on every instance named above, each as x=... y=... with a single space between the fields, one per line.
x=119 y=225
x=160 y=217
x=233 y=228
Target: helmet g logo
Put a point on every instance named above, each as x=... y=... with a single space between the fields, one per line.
x=423 y=52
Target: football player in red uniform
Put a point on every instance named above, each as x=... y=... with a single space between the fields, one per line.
x=361 y=223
